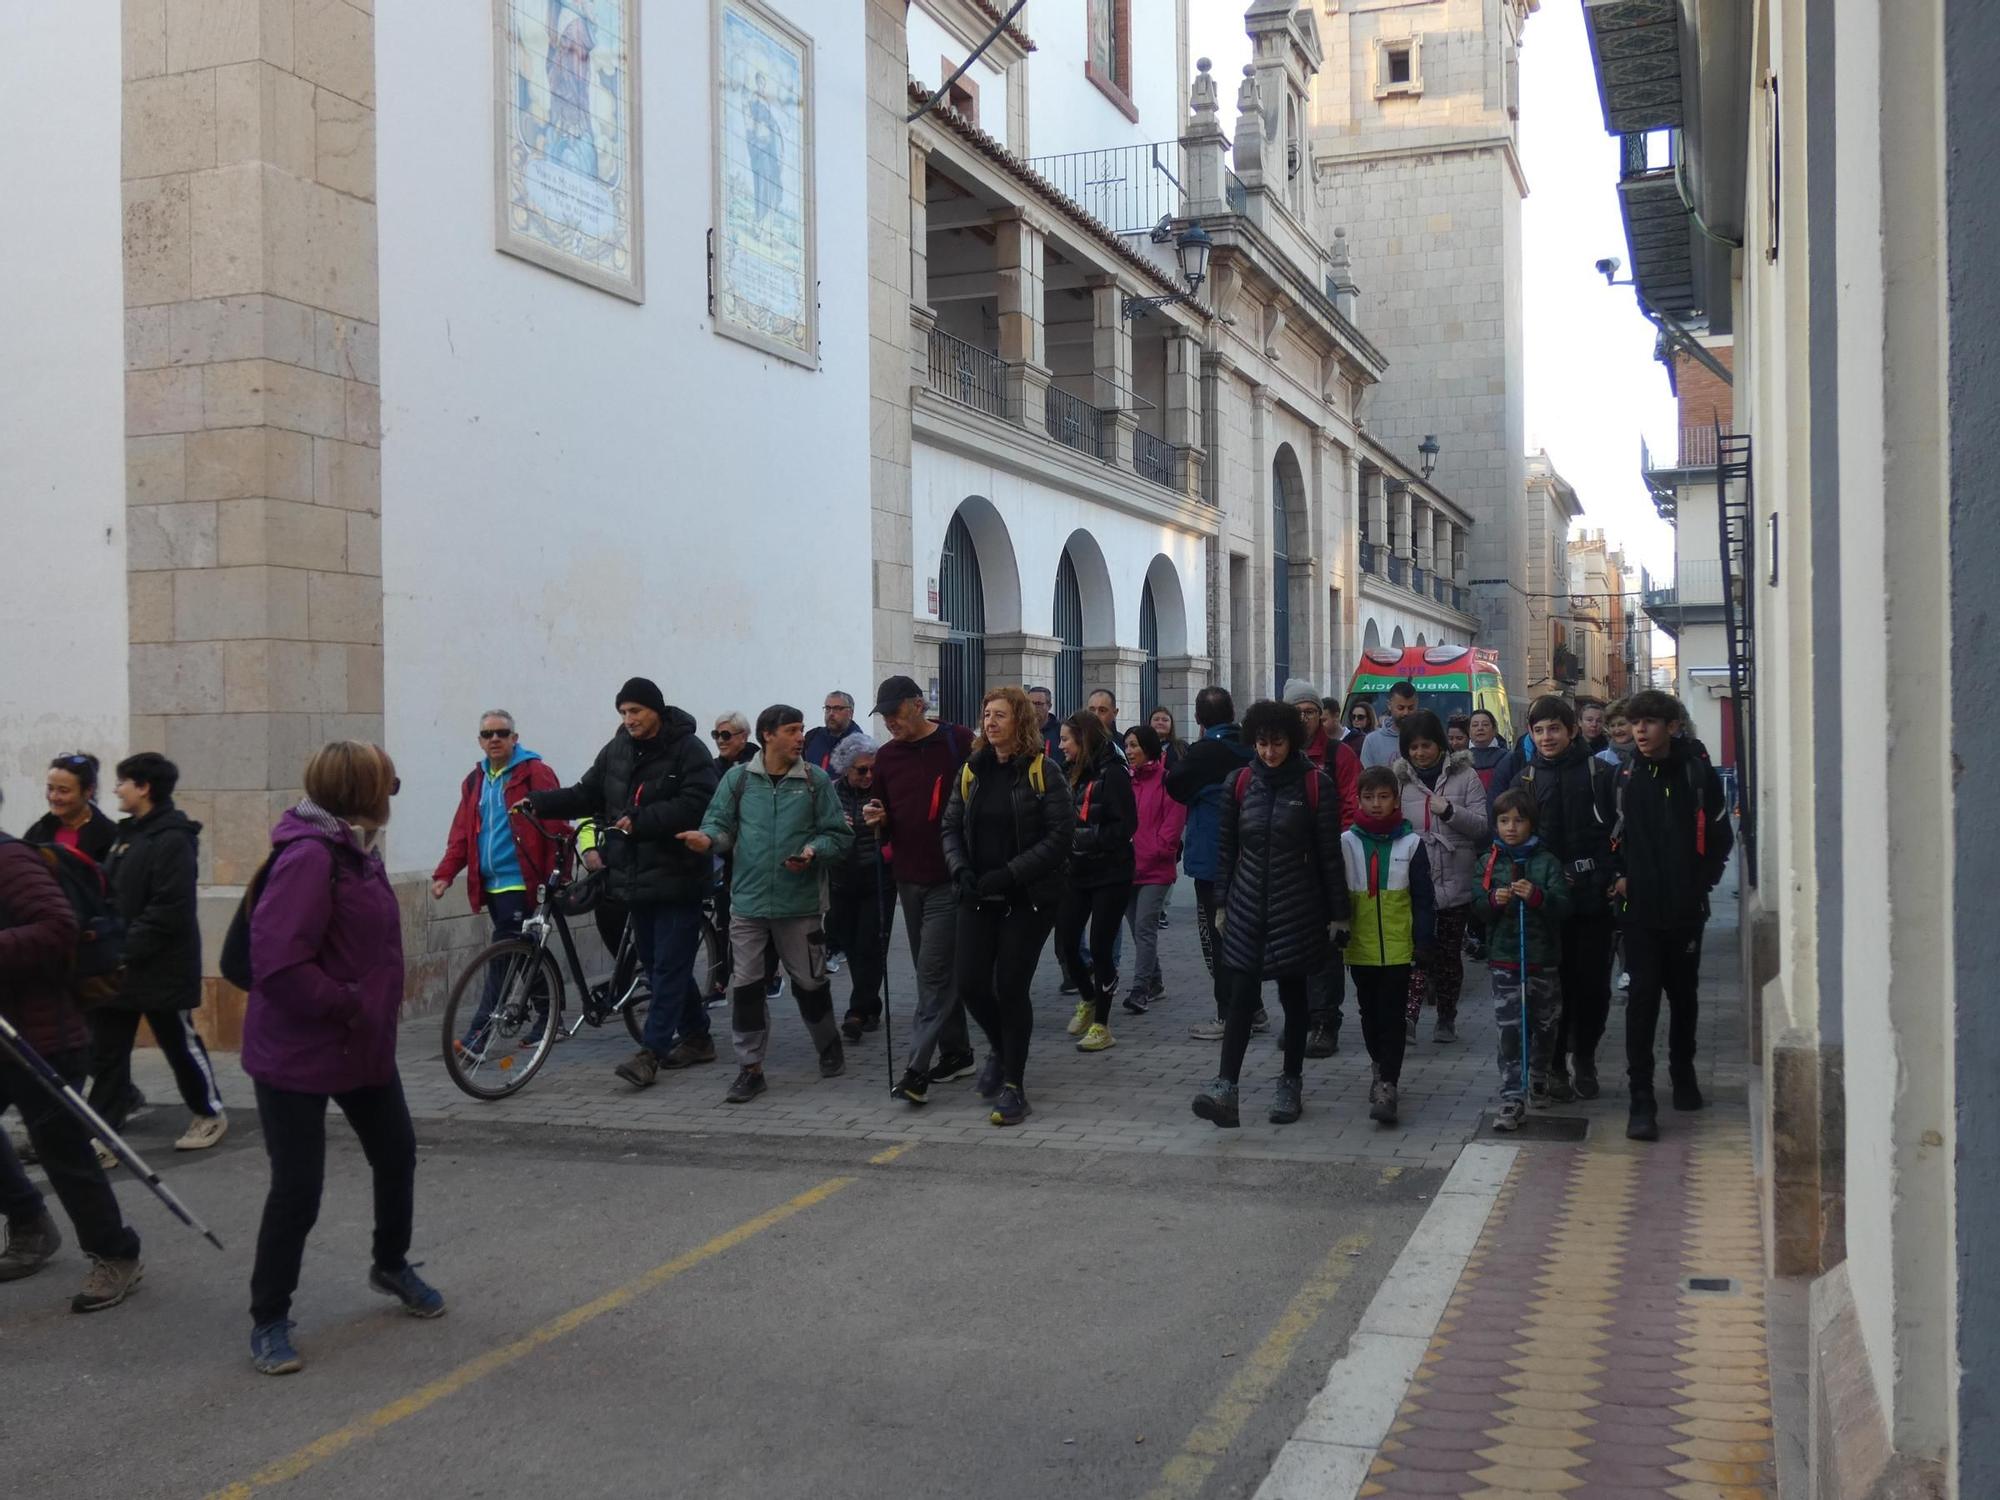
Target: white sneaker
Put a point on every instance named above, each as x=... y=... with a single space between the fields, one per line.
x=203 y=1131
x=107 y=1159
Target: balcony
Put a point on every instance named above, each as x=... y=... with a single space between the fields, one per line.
x=1399 y=570
x=967 y=374
x=1129 y=189
x=1157 y=459
x=1075 y=423
x=1693 y=598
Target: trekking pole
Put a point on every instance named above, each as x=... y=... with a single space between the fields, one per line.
x=16 y=1047
x=1522 y=920
x=882 y=935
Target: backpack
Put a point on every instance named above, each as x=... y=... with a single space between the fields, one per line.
x=1698 y=767
x=1038 y=778
x=1242 y=786
x=234 y=963
x=100 y=931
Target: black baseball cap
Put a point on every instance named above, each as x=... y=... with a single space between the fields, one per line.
x=894 y=693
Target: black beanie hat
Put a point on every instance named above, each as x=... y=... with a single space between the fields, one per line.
x=644 y=692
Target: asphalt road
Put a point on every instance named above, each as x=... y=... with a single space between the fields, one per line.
x=639 y=1315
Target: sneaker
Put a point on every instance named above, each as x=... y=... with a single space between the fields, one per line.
x=1584 y=1072
x=912 y=1088
x=1559 y=1090
x=1643 y=1124
x=690 y=1051
x=988 y=1085
x=419 y=1298
x=871 y=1023
x=774 y=986
x=749 y=1084
x=1409 y=1031
x=471 y=1051
x=850 y=1027
x=1687 y=1095
x=1322 y=1042
x=109 y=1283
x=951 y=1066
x=1097 y=1038
x=29 y=1246
x=1382 y=1103
x=271 y=1351
x=1510 y=1114
x=25 y=1149
x=834 y=959
x=107 y=1159
x=1217 y=1105
x=1158 y=989
x=1261 y=1021
x=640 y=1069
x=1206 y=1031
x=1287 y=1100
x=1080 y=1021
x=1624 y=982
x=1444 y=1031
x=1138 y=1000
x=1068 y=986
x=833 y=1061
x=1011 y=1108
x=203 y=1131
x=1163 y=921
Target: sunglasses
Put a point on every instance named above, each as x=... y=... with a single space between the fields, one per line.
x=496 y=734
x=719 y=735
x=861 y=773
x=395 y=785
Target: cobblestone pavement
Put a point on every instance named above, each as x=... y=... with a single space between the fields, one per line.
x=1133 y=1098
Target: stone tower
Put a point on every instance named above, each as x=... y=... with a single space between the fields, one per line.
x=1415 y=147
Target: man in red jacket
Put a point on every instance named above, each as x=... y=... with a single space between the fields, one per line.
x=1327 y=990
x=507 y=855
x=37 y=945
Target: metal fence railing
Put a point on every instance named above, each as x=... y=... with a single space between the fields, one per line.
x=967 y=374
x=1156 y=459
x=1127 y=189
x=1075 y=423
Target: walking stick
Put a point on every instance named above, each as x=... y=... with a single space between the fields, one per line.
x=1522 y=921
x=882 y=937
x=16 y=1047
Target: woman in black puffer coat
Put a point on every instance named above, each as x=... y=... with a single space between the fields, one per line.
x=1281 y=885
x=1100 y=873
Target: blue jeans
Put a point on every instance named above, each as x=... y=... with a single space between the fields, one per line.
x=668 y=936
x=508 y=910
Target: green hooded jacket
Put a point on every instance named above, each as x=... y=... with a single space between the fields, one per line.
x=1499 y=868
x=760 y=823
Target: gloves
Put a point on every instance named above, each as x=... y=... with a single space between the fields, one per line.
x=968 y=885
x=995 y=883
x=1341 y=934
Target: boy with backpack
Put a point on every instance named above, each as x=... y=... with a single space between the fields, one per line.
x=1673 y=842
x=1393 y=925
x=1527 y=896
x=38 y=947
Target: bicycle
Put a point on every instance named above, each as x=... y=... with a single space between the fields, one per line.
x=497 y=1055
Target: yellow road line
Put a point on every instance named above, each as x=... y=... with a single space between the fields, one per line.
x=883 y=1158
x=1189 y=1469
x=321 y=1449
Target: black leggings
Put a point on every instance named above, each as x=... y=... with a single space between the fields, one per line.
x=1381 y=994
x=998 y=948
x=1246 y=993
x=295 y=1139
x=1100 y=908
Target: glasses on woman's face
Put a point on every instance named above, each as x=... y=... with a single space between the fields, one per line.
x=723 y=736
x=861 y=773
x=395 y=785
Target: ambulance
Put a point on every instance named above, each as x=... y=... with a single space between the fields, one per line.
x=1448 y=679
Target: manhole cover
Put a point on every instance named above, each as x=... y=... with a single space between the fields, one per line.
x=1540 y=1128
x=1714 y=1286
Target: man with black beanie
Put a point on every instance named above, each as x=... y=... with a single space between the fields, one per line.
x=649 y=784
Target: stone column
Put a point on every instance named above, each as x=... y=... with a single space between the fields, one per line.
x=1023 y=658
x=1458 y=545
x=1183 y=408
x=1181 y=677
x=1019 y=254
x=919 y=233
x=1377 y=504
x=1400 y=542
x=925 y=638
x=1422 y=529
x=1116 y=668
x=252 y=407
x=1111 y=359
x=1441 y=544
x=897 y=295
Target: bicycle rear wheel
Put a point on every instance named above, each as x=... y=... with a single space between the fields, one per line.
x=709 y=964
x=493 y=1055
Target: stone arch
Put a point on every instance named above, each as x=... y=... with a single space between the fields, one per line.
x=1397 y=640
x=999 y=573
x=1093 y=582
x=1169 y=605
x=1371 y=638
x=1420 y=639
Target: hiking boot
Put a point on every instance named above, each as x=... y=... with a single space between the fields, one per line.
x=1217 y=1105
x=748 y=1085
x=1080 y=1021
x=1557 y=1090
x=1206 y=1031
x=1584 y=1071
x=1097 y=1039
x=1687 y=1095
x=1011 y=1108
x=109 y=1283
x=271 y=1351
x=1138 y=1000
x=988 y=1086
x=1261 y=1021
x=690 y=1051
x=1321 y=1041
x=203 y=1131
x=872 y=1023
x=833 y=1061
x=29 y=1246
x=1444 y=1031
x=951 y=1066
x=1382 y=1103
x=419 y=1298
x=850 y=1027
x=1510 y=1115
x=1287 y=1099
x=640 y=1069
x=1643 y=1124
x=914 y=1087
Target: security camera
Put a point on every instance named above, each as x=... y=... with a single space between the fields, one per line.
x=1609 y=268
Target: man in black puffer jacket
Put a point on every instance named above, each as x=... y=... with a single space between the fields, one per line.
x=1574 y=799
x=651 y=782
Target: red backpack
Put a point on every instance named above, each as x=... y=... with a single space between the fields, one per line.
x=1313 y=779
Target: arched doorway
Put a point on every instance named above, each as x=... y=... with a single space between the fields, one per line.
x=1371 y=638
x=1281 y=591
x=1068 y=630
x=1396 y=640
x=962 y=609
x=1149 y=642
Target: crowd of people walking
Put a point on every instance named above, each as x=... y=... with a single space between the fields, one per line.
x=1321 y=851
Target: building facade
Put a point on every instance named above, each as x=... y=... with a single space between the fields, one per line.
x=1552 y=662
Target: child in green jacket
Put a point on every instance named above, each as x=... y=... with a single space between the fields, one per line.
x=1527 y=896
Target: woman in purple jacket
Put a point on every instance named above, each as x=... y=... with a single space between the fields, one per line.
x=326 y=953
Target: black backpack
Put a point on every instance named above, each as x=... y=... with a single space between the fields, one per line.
x=234 y=963
x=100 y=931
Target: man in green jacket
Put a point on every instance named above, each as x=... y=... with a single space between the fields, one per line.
x=779 y=820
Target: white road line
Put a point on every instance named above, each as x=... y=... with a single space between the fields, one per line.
x=1329 y=1454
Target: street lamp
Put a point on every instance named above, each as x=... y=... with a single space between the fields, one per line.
x=1429 y=449
x=1191 y=248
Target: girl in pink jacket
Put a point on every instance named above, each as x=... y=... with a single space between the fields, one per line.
x=1156 y=851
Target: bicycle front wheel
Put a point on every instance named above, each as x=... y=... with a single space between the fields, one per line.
x=492 y=1049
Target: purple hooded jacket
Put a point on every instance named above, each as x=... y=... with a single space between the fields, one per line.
x=326 y=953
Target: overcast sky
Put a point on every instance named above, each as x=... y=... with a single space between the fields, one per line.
x=1593 y=386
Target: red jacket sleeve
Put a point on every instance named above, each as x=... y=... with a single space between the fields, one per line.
x=1347 y=778
x=458 y=843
